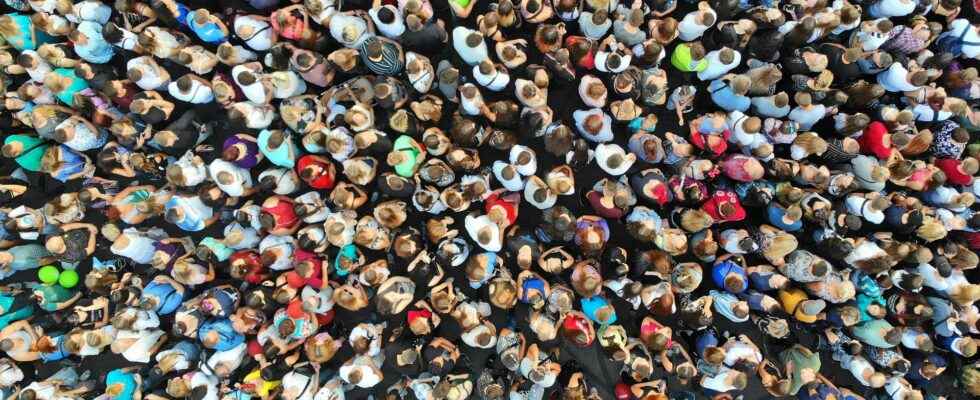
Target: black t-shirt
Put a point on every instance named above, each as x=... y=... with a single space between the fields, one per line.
x=427 y=40
x=793 y=63
x=844 y=74
x=765 y=45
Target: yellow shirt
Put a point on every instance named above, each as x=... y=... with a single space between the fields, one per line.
x=791 y=299
x=262 y=387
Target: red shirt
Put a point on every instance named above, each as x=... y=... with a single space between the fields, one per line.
x=873 y=140
x=249 y=258
x=951 y=167
x=719 y=198
x=588 y=60
x=718 y=148
x=507 y=203
x=323 y=180
x=282 y=211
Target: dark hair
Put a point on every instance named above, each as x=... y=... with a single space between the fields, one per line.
x=385 y=15
x=246 y=78
x=111 y=33
x=184 y=83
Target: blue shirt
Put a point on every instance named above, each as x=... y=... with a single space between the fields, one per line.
x=776 y=214
x=167 y=296
x=228 y=338
x=97 y=50
x=592 y=304
x=209 y=32
x=723 y=95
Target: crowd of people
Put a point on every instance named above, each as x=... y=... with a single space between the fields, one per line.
x=489 y=199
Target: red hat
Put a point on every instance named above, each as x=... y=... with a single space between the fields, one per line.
x=577 y=329
x=873 y=140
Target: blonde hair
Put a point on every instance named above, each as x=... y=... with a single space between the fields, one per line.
x=965 y=295
x=696 y=220
x=8 y=28
x=811 y=143
x=970 y=378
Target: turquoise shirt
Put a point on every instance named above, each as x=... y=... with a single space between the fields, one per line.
x=126 y=379
x=67 y=96
x=284 y=155
x=24 y=41
x=9 y=316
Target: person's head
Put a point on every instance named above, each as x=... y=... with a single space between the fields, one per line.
x=385 y=15
x=374 y=49
x=55 y=244
x=964 y=295
x=970 y=377
x=741 y=84
x=919 y=78
x=893 y=336
x=600 y=17
x=714 y=355
x=966 y=346
x=474 y=39
x=697 y=51
x=803 y=99
x=27 y=394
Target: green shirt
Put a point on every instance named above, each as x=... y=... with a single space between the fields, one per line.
x=406 y=145
x=681 y=59
x=802 y=358
x=32 y=150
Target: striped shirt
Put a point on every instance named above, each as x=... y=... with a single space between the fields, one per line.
x=390 y=63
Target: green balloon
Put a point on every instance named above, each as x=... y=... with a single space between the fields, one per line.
x=48 y=274
x=68 y=279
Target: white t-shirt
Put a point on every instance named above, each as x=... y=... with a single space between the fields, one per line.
x=369 y=375
x=299 y=385
x=716 y=68
x=192 y=168
x=255 y=92
x=232 y=358
x=241 y=179
x=689 y=29
x=495 y=81
x=149 y=80
x=10 y=374
x=470 y=55
x=287 y=84
x=392 y=30
x=260 y=38
x=198 y=94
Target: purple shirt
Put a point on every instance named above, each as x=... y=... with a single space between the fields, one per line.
x=251 y=157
